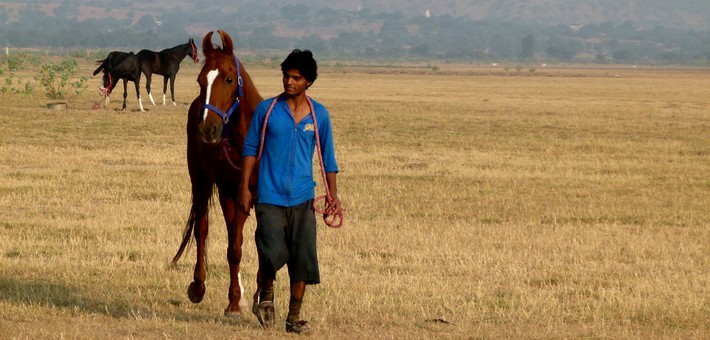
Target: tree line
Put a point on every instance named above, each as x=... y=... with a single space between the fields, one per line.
x=369 y=35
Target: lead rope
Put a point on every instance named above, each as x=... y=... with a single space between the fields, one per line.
x=103 y=91
x=331 y=219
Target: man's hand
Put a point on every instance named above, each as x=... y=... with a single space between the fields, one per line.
x=333 y=207
x=245 y=200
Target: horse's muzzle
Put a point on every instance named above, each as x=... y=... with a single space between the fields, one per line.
x=210 y=133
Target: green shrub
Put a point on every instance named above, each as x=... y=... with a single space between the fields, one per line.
x=56 y=80
x=20 y=61
x=14 y=85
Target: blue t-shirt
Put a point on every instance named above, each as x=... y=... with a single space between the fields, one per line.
x=286 y=165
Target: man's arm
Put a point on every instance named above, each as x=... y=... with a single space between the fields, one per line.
x=334 y=206
x=249 y=152
x=248 y=163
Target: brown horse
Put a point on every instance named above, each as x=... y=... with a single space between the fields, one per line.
x=217 y=124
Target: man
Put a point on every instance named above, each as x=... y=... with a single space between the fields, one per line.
x=286 y=223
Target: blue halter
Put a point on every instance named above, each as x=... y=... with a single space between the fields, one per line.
x=225 y=116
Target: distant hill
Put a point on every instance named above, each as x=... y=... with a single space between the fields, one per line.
x=683 y=14
x=688 y=14
x=693 y=14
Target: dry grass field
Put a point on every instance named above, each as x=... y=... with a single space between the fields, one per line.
x=481 y=203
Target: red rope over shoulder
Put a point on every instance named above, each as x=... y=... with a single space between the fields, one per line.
x=330 y=217
x=263 y=127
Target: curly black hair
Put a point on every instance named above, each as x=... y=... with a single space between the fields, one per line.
x=303 y=62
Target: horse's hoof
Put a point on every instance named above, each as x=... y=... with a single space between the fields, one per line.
x=196 y=292
x=232 y=313
x=236 y=306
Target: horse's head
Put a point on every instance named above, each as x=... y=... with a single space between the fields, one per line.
x=220 y=81
x=193 y=51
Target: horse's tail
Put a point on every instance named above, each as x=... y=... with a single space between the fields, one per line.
x=102 y=64
x=197 y=210
x=186 y=234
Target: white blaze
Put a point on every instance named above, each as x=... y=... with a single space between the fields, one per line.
x=211 y=76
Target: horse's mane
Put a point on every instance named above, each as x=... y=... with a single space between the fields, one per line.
x=176 y=48
x=251 y=95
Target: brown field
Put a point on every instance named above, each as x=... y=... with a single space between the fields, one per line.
x=481 y=203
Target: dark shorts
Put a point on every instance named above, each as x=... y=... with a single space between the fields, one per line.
x=287 y=236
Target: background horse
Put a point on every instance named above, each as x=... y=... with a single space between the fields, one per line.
x=113 y=58
x=166 y=63
x=217 y=124
x=120 y=65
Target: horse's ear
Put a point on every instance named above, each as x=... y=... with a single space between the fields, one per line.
x=207 y=47
x=227 y=45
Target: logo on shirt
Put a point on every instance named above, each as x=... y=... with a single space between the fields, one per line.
x=309 y=127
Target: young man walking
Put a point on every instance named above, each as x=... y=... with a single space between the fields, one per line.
x=286 y=222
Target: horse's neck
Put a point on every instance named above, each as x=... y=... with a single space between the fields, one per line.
x=237 y=131
x=178 y=52
x=239 y=123
x=183 y=50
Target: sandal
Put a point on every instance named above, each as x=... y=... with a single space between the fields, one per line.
x=265 y=313
x=298 y=327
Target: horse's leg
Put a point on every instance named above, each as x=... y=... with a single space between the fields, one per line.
x=138 y=92
x=196 y=290
x=165 y=88
x=197 y=222
x=125 y=93
x=235 y=220
x=199 y=219
x=148 y=77
x=172 y=89
x=257 y=292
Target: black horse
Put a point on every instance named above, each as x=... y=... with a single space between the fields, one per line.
x=166 y=63
x=120 y=65
x=111 y=59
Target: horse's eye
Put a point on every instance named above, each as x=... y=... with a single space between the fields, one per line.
x=229 y=80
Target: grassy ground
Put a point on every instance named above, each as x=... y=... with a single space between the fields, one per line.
x=481 y=203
